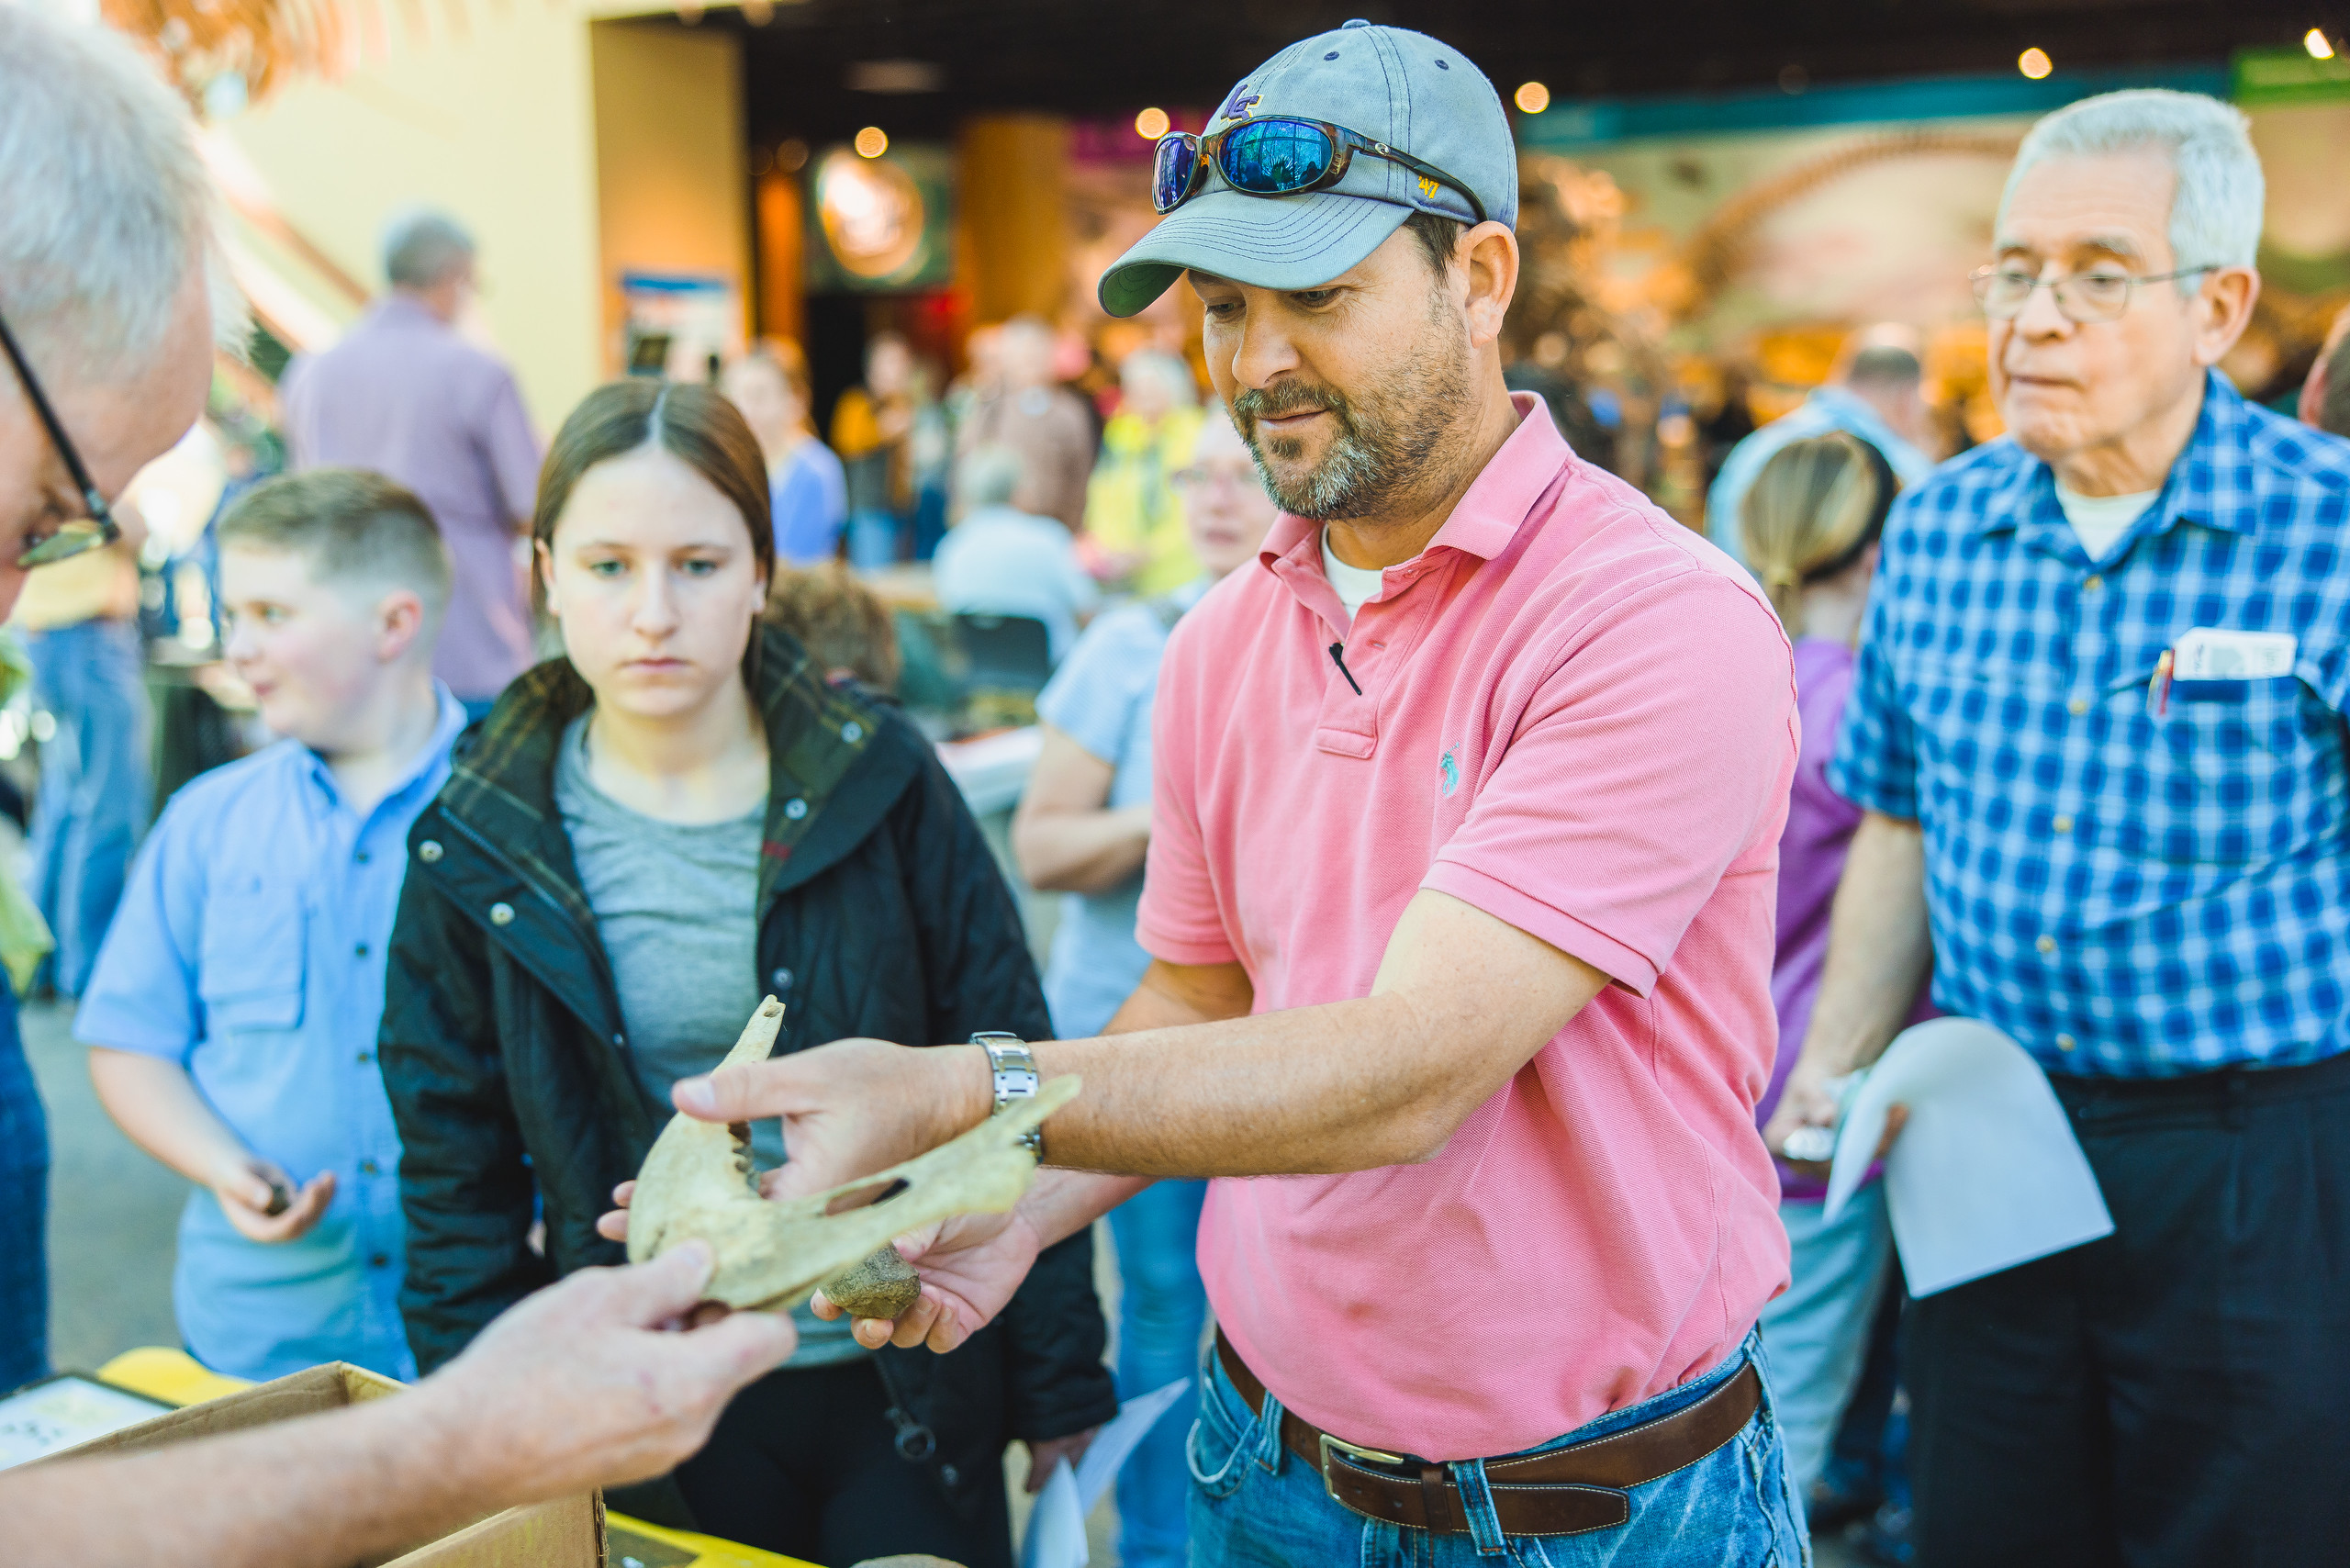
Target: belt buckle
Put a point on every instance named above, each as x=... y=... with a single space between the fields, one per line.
x=1354 y=1451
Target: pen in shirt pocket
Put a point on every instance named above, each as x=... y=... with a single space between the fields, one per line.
x=2157 y=684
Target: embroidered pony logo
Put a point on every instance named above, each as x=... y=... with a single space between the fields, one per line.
x=1236 y=106
x=1448 y=769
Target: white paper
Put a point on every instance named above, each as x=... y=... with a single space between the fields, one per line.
x=1985 y=1174
x=64 y=1411
x=1056 y=1537
x=2213 y=653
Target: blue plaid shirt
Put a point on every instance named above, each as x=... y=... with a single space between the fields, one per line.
x=2126 y=893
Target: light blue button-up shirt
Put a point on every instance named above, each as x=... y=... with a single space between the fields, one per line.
x=249 y=948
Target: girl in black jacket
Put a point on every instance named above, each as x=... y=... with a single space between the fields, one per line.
x=639 y=842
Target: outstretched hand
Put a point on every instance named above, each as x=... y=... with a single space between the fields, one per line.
x=594 y=1381
x=969 y=1266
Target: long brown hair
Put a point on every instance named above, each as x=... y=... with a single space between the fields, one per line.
x=1810 y=513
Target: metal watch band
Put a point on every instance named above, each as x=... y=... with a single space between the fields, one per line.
x=1016 y=1078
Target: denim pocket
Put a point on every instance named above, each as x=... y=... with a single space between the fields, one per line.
x=1217 y=1451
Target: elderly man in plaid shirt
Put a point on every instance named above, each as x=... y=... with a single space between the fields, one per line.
x=2098 y=729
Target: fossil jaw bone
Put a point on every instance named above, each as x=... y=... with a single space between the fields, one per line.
x=697 y=1184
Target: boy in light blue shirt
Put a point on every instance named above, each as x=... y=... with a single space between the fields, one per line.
x=233 y=1013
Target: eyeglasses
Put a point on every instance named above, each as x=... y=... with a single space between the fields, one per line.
x=2086 y=298
x=1278 y=156
x=1236 y=476
x=74 y=536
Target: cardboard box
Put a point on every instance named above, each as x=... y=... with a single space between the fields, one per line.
x=567 y=1532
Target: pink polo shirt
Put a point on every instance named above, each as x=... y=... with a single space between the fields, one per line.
x=1578 y=716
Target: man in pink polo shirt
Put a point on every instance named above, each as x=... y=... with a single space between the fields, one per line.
x=1459 y=897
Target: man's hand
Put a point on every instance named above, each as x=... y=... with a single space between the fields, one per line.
x=1807 y=1101
x=971 y=1265
x=848 y=1109
x=578 y=1385
x=588 y=1382
x=264 y=1203
x=1042 y=1455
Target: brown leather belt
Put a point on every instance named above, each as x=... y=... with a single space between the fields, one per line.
x=1564 y=1492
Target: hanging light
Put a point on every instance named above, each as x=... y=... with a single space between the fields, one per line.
x=871 y=142
x=2034 y=62
x=1533 y=98
x=1151 y=124
x=2318 y=44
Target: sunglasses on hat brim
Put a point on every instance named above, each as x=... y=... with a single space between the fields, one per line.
x=1278 y=156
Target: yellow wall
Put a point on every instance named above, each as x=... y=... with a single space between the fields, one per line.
x=574 y=148
x=493 y=123
x=1015 y=215
x=673 y=189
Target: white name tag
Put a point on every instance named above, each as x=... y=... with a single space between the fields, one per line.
x=2209 y=654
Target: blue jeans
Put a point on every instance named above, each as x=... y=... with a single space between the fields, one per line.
x=1162 y=1312
x=94 y=784
x=1817 y=1330
x=1253 y=1502
x=24 y=1210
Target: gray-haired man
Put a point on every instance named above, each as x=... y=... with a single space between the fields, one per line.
x=2098 y=729
x=105 y=253
x=406 y=395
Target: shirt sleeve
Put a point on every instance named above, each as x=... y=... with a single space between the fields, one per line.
x=142 y=992
x=1090 y=697
x=1084 y=593
x=512 y=448
x=1876 y=764
x=1179 y=921
x=1646 y=765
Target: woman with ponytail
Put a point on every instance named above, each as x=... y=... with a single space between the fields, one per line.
x=1811 y=523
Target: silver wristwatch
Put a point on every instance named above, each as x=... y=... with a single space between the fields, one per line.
x=1016 y=1078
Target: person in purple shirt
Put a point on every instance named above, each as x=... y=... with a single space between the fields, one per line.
x=406 y=395
x=1811 y=520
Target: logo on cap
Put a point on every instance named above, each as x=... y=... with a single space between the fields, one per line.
x=1238 y=107
x=1430 y=188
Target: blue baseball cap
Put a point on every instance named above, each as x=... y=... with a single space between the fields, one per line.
x=1397 y=87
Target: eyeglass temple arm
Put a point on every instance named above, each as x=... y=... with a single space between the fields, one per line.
x=50 y=423
x=1422 y=166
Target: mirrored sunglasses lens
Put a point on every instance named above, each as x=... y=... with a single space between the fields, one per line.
x=1171 y=169
x=1276 y=156
x=74 y=539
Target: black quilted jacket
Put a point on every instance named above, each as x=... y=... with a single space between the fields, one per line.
x=881 y=914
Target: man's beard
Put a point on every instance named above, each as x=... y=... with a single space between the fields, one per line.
x=1381 y=452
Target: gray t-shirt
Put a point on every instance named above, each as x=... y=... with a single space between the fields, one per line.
x=675 y=906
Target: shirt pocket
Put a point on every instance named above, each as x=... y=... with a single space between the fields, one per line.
x=250 y=964
x=2235 y=759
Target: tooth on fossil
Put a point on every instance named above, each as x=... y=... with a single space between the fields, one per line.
x=697 y=1184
